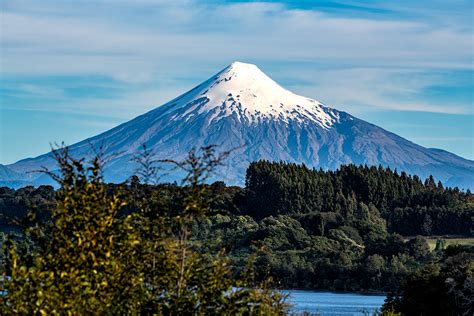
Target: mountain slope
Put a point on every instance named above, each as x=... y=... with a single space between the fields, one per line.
x=11 y=178
x=241 y=107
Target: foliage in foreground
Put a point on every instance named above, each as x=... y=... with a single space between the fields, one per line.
x=445 y=287
x=335 y=230
x=94 y=257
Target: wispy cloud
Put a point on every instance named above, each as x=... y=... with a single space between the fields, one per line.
x=113 y=39
x=140 y=41
x=359 y=90
x=445 y=138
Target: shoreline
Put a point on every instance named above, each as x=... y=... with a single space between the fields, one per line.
x=372 y=293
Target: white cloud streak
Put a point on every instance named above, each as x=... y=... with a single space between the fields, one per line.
x=354 y=62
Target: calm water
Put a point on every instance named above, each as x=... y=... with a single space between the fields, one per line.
x=331 y=304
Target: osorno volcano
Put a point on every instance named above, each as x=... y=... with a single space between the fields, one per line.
x=241 y=107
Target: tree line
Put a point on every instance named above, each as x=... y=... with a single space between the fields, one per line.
x=408 y=205
x=346 y=230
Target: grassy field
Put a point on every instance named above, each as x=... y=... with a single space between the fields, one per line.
x=451 y=241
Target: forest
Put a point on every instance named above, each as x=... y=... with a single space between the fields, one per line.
x=357 y=228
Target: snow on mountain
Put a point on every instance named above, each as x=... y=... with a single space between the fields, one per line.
x=245 y=90
x=241 y=107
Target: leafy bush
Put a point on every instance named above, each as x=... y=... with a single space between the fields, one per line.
x=94 y=256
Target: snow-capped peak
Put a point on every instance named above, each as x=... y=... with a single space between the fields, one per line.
x=241 y=107
x=243 y=90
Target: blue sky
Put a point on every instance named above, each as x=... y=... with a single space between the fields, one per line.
x=72 y=69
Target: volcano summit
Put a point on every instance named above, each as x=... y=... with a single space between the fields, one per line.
x=241 y=107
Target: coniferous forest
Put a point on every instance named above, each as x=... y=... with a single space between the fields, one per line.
x=357 y=228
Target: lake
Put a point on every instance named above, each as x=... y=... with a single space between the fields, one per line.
x=332 y=304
